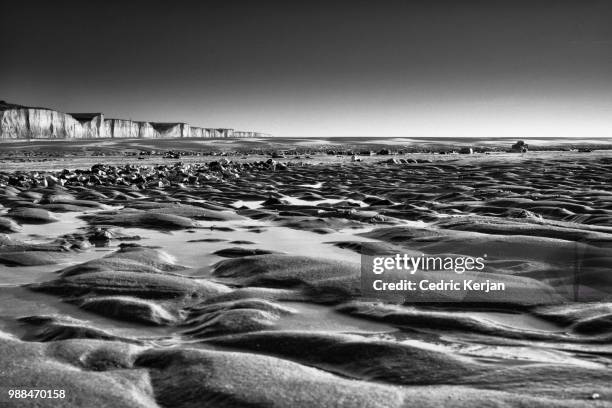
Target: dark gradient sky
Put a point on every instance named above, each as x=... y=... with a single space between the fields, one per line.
x=320 y=68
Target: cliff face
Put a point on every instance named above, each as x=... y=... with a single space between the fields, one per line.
x=120 y=128
x=20 y=122
x=47 y=124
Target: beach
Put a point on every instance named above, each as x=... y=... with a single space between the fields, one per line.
x=232 y=274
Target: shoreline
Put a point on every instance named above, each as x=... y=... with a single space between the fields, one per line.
x=11 y=161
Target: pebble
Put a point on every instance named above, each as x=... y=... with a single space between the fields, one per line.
x=142 y=177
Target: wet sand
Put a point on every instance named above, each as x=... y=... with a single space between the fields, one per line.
x=235 y=280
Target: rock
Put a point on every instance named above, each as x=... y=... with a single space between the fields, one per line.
x=273 y=201
x=52 y=181
x=103 y=236
x=520 y=147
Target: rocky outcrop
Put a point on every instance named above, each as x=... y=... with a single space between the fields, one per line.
x=21 y=122
x=520 y=147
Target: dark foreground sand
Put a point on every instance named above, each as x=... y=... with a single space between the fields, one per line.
x=237 y=282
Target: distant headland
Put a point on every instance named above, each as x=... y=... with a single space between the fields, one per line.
x=24 y=122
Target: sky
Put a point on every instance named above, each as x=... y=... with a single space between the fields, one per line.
x=452 y=68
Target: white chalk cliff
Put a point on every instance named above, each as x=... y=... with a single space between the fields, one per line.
x=22 y=122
